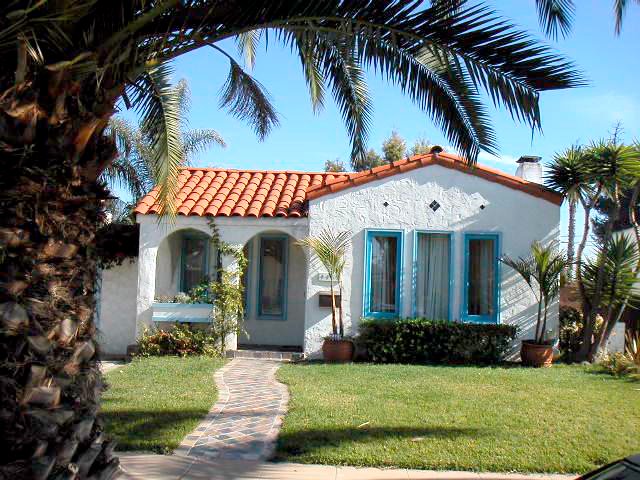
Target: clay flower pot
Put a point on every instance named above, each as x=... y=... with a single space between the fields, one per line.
x=535 y=354
x=337 y=351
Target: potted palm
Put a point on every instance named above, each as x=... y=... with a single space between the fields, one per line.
x=541 y=270
x=329 y=248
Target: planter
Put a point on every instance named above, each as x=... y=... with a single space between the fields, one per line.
x=536 y=355
x=181 y=312
x=337 y=351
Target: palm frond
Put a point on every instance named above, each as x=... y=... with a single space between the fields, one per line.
x=568 y=174
x=620 y=8
x=157 y=102
x=247 y=43
x=246 y=99
x=556 y=16
x=306 y=44
x=198 y=140
x=330 y=248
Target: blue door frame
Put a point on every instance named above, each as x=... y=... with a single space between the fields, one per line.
x=285 y=254
x=495 y=318
x=366 y=297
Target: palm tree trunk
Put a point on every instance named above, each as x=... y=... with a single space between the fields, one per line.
x=341 y=319
x=334 y=327
x=571 y=239
x=539 y=318
x=52 y=150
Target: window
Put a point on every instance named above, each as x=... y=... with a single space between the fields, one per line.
x=244 y=277
x=432 y=275
x=383 y=274
x=273 y=278
x=194 y=261
x=481 y=278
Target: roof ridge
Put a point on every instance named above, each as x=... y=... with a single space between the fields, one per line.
x=251 y=170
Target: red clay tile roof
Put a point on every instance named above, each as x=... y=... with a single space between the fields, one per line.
x=243 y=193
x=258 y=193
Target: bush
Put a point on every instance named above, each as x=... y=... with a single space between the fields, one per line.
x=571 y=325
x=425 y=341
x=179 y=340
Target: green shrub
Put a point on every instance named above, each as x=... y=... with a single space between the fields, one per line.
x=419 y=340
x=571 y=325
x=180 y=340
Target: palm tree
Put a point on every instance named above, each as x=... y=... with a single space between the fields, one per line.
x=133 y=168
x=567 y=175
x=541 y=270
x=330 y=249
x=556 y=16
x=68 y=63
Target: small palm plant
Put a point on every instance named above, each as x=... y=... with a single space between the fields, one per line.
x=541 y=270
x=330 y=249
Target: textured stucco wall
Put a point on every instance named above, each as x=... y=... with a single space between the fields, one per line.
x=519 y=218
x=116 y=319
x=236 y=231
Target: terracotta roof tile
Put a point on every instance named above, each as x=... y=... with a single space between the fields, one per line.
x=253 y=193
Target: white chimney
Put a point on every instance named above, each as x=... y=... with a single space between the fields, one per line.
x=529 y=168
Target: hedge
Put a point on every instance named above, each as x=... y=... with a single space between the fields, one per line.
x=418 y=340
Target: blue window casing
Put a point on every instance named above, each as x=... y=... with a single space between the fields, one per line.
x=183 y=256
x=285 y=290
x=366 y=297
x=247 y=278
x=497 y=245
x=414 y=278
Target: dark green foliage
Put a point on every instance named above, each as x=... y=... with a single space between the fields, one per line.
x=180 y=340
x=115 y=243
x=418 y=340
x=571 y=325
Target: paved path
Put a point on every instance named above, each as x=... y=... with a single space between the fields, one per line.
x=244 y=423
x=164 y=467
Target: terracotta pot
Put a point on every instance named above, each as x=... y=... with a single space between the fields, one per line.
x=337 y=351
x=536 y=355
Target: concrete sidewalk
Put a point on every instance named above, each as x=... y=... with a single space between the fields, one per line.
x=175 y=467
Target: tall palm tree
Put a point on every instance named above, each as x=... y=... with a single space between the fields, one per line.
x=567 y=175
x=133 y=167
x=67 y=63
x=556 y=16
x=330 y=249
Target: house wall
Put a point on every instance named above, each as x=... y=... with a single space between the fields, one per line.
x=235 y=231
x=116 y=312
x=518 y=217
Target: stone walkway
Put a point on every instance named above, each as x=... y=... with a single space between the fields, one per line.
x=244 y=423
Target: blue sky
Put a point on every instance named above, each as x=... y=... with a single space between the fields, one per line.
x=304 y=140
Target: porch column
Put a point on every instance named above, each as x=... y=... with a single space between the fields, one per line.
x=230 y=264
x=147 y=253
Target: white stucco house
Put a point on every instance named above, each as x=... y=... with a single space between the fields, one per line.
x=427 y=234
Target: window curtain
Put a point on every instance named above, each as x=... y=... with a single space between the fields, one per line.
x=384 y=253
x=194 y=270
x=272 y=276
x=481 y=277
x=432 y=276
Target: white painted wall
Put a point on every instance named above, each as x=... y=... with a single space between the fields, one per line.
x=520 y=218
x=116 y=319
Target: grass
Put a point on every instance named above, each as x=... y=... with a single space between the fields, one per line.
x=152 y=403
x=562 y=419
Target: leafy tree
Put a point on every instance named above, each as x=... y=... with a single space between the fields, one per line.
x=133 y=167
x=421 y=146
x=67 y=64
x=334 y=166
x=371 y=159
x=394 y=148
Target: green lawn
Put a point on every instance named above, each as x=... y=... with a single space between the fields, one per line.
x=152 y=403
x=563 y=419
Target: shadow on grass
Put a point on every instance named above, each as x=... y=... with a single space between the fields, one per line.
x=150 y=430
x=292 y=444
